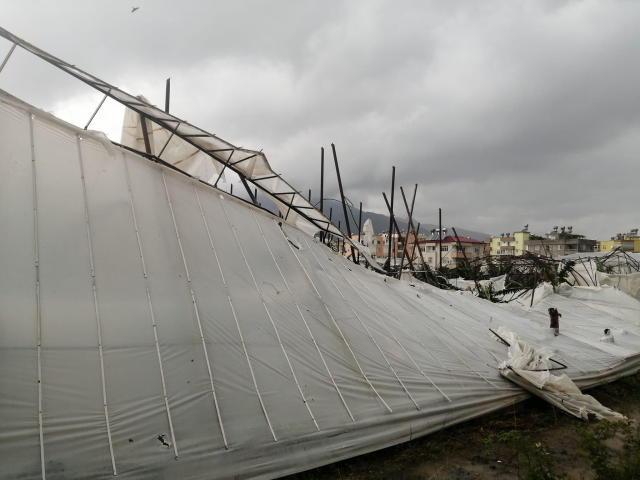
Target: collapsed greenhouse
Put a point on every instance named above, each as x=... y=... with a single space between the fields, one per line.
x=154 y=326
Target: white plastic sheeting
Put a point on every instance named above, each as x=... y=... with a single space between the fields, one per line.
x=168 y=147
x=629 y=283
x=368 y=234
x=531 y=369
x=496 y=282
x=154 y=327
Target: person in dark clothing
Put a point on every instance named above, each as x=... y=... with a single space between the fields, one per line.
x=554 y=323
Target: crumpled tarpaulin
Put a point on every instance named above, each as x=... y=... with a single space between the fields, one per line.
x=531 y=369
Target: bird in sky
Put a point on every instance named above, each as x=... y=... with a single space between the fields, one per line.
x=133 y=9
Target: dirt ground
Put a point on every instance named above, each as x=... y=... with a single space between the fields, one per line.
x=484 y=448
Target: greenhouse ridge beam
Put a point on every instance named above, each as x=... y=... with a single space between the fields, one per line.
x=168 y=122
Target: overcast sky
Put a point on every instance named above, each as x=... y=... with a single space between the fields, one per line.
x=505 y=113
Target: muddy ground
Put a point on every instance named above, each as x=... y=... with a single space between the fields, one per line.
x=528 y=441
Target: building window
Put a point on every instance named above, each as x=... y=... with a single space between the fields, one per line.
x=559 y=247
x=476 y=249
x=537 y=247
x=444 y=248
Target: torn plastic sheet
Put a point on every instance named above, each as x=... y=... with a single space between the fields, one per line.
x=531 y=369
x=168 y=147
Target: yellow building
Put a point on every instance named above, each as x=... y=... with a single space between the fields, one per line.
x=625 y=242
x=508 y=244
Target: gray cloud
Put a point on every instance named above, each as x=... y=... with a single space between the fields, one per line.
x=505 y=113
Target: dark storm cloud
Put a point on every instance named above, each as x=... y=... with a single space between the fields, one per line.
x=505 y=113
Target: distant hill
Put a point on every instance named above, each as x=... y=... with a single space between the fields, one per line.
x=381 y=222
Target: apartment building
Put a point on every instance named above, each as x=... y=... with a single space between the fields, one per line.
x=561 y=242
x=428 y=246
x=452 y=252
x=625 y=242
x=509 y=244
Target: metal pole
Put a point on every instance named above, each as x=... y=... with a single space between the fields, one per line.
x=94 y=113
x=145 y=134
x=6 y=59
x=167 y=95
x=322 y=187
x=410 y=223
x=424 y=265
x=246 y=186
x=330 y=213
x=223 y=168
x=322 y=180
x=309 y=195
x=415 y=235
x=168 y=140
x=465 y=258
x=360 y=224
x=344 y=205
x=440 y=235
x=391 y=220
x=231 y=189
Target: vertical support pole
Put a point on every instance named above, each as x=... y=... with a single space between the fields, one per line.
x=465 y=258
x=167 y=95
x=409 y=227
x=145 y=134
x=38 y=312
x=97 y=312
x=6 y=59
x=231 y=189
x=440 y=235
x=322 y=187
x=533 y=290
x=309 y=195
x=330 y=215
x=359 y=229
x=416 y=232
x=344 y=205
x=396 y=225
x=391 y=222
x=360 y=224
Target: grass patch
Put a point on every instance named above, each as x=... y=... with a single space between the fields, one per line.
x=597 y=445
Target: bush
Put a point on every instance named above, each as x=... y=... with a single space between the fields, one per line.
x=604 y=463
x=534 y=460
